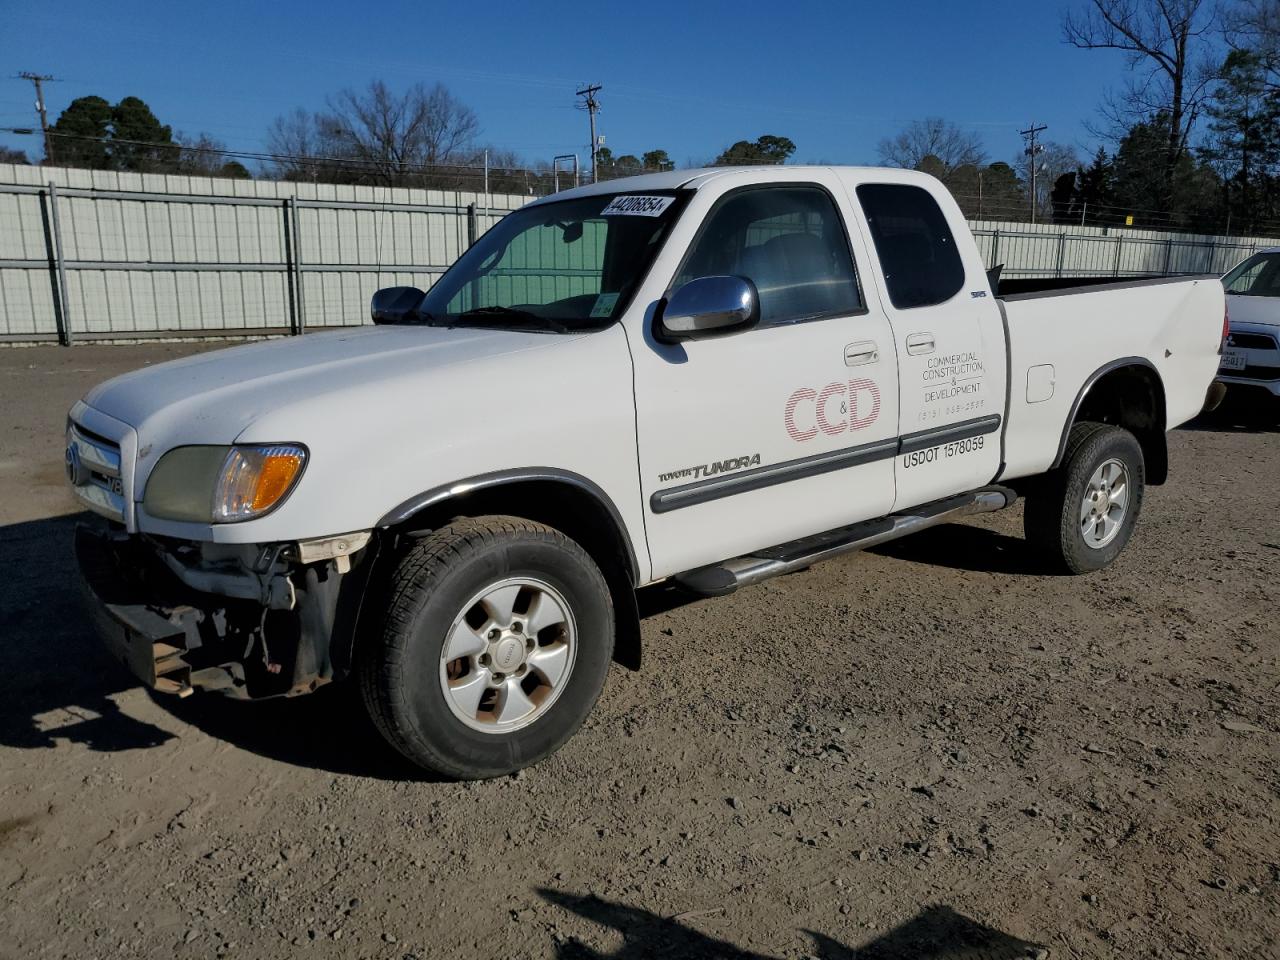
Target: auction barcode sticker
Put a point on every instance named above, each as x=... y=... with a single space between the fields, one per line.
x=634 y=205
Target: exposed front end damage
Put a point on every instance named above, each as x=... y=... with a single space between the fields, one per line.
x=247 y=621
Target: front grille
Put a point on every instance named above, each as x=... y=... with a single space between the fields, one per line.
x=1252 y=341
x=93 y=469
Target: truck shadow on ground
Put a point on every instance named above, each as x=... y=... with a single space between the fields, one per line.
x=57 y=678
x=60 y=683
x=959 y=546
x=1239 y=416
x=936 y=933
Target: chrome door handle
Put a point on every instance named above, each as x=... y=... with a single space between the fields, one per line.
x=856 y=354
x=920 y=343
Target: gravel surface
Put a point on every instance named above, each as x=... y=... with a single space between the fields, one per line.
x=930 y=750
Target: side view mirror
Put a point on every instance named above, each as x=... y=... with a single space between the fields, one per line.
x=709 y=306
x=395 y=304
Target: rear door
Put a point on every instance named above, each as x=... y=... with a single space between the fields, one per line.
x=949 y=338
x=777 y=432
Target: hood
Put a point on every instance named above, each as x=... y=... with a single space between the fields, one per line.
x=1265 y=310
x=213 y=397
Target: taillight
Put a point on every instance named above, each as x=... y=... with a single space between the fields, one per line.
x=1226 y=327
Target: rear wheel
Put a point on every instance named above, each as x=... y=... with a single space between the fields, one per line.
x=493 y=650
x=1082 y=514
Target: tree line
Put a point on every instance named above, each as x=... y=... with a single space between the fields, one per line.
x=422 y=136
x=1192 y=142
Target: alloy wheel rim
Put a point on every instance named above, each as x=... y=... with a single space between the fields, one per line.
x=1105 y=504
x=508 y=655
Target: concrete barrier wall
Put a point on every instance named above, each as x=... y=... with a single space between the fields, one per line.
x=147 y=255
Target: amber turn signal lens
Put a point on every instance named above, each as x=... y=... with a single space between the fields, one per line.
x=275 y=478
x=255 y=479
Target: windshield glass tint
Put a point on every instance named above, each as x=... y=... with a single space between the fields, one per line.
x=563 y=266
x=1257 y=277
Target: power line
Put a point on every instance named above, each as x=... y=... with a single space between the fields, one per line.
x=1032 y=149
x=255 y=155
x=39 y=79
x=591 y=104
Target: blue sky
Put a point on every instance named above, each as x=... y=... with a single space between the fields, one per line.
x=690 y=78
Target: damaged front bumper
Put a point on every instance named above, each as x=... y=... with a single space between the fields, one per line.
x=277 y=620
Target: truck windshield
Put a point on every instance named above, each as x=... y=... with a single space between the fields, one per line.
x=1259 y=276
x=561 y=267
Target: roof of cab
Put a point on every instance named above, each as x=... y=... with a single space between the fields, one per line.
x=693 y=179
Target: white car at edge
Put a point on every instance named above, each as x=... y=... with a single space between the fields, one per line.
x=1251 y=355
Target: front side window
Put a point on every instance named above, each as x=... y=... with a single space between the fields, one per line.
x=918 y=254
x=565 y=266
x=790 y=242
x=1259 y=276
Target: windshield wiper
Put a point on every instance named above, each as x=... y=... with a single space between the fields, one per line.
x=504 y=316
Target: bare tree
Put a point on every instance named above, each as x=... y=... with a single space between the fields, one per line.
x=1254 y=25
x=376 y=136
x=935 y=145
x=295 y=143
x=1170 y=43
x=396 y=135
x=205 y=156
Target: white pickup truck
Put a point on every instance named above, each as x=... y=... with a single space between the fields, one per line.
x=704 y=377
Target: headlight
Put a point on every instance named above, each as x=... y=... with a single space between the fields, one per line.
x=223 y=484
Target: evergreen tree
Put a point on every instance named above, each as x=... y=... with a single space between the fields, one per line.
x=1244 y=140
x=1062 y=198
x=1140 y=181
x=1003 y=194
x=765 y=149
x=80 y=133
x=140 y=142
x=605 y=164
x=657 y=160
x=92 y=133
x=1095 y=190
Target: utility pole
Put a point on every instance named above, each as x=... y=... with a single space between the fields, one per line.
x=1033 y=149
x=591 y=104
x=39 y=79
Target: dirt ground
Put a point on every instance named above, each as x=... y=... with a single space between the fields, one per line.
x=927 y=751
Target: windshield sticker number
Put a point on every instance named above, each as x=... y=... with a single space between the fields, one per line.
x=604 y=305
x=637 y=206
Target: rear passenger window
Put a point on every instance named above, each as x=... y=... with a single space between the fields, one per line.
x=917 y=251
x=790 y=242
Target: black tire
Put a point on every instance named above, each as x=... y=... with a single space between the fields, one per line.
x=399 y=666
x=1052 y=516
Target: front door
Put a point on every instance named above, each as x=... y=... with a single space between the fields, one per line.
x=781 y=431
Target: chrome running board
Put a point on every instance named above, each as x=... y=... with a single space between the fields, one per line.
x=726 y=577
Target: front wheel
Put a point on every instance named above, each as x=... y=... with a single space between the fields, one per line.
x=1082 y=514
x=493 y=650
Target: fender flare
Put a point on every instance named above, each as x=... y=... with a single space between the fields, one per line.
x=500 y=478
x=1084 y=392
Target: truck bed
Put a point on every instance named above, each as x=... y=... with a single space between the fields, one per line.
x=1063 y=338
